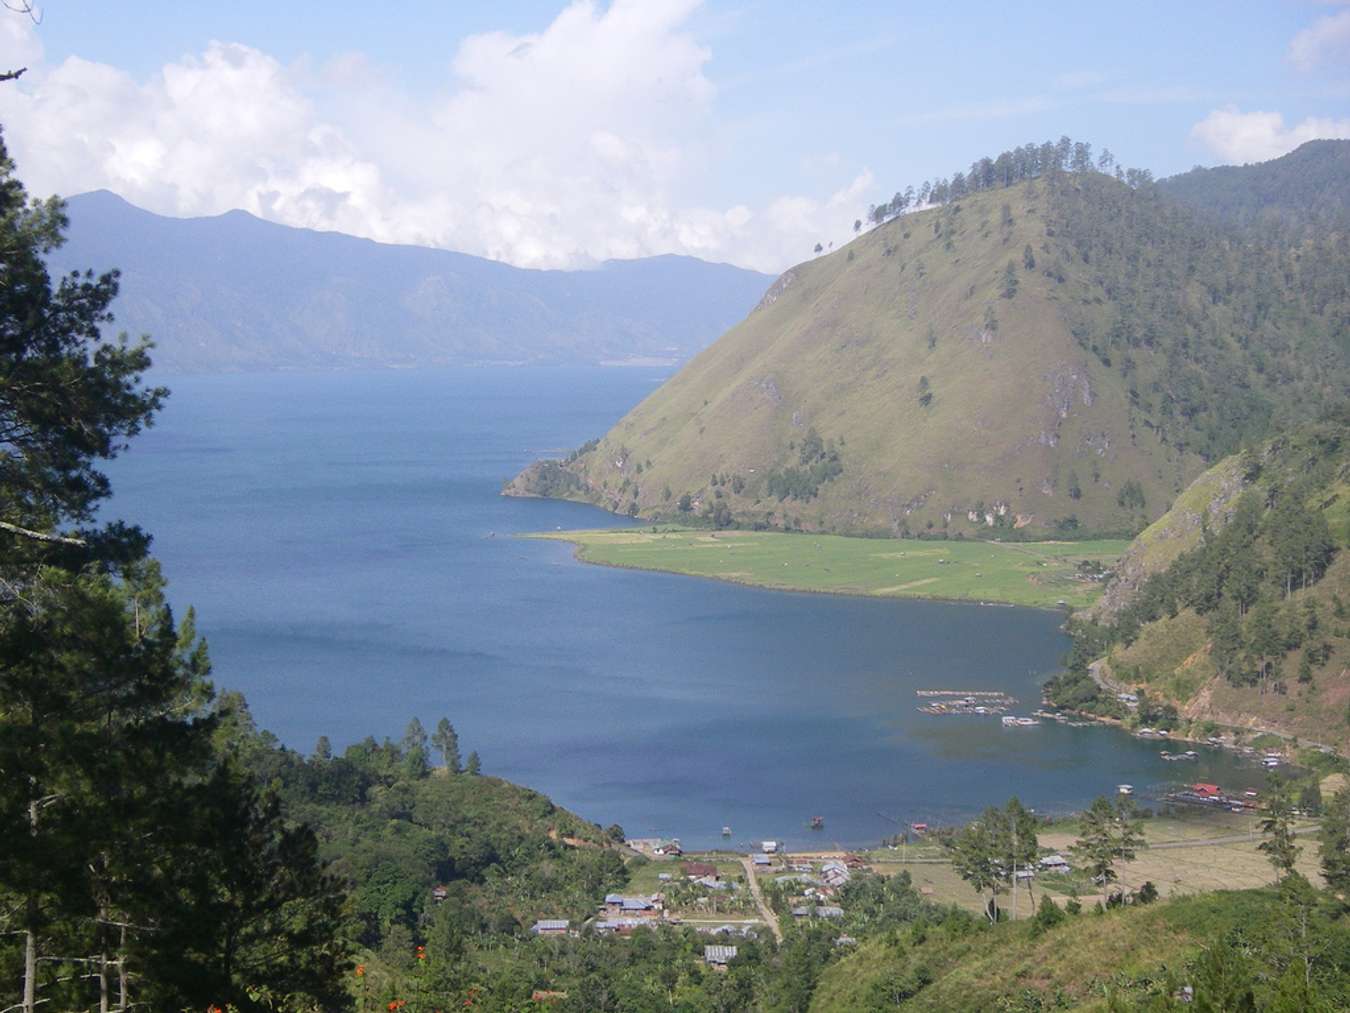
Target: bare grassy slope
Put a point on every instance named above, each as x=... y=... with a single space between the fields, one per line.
x=1021 y=417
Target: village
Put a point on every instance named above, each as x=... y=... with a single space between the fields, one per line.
x=1204 y=838
x=724 y=895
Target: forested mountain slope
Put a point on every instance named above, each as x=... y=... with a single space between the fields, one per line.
x=1306 y=186
x=1231 y=609
x=1062 y=353
x=236 y=292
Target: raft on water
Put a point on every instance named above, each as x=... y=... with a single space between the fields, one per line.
x=959 y=702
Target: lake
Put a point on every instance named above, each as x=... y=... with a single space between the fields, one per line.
x=352 y=564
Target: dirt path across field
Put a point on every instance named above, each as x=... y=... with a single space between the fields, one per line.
x=769 y=917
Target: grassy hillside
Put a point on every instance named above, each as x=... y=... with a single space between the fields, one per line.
x=1130 y=958
x=1041 y=574
x=1232 y=607
x=1060 y=355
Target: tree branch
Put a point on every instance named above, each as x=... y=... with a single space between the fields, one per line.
x=39 y=536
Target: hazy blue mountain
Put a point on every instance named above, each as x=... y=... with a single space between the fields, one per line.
x=236 y=292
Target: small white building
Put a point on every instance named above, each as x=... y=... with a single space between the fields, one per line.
x=550 y=927
x=718 y=956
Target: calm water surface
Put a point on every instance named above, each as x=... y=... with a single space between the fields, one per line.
x=352 y=566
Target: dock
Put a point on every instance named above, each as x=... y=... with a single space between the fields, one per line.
x=952 y=701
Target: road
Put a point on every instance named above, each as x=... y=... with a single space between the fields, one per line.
x=769 y=917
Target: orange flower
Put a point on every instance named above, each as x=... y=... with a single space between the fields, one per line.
x=360 y=970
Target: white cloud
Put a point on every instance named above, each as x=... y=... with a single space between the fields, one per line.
x=1257 y=136
x=558 y=148
x=1326 y=40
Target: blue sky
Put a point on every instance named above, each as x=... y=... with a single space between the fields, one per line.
x=555 y=135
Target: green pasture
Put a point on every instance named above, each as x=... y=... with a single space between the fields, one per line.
x=1042 y=574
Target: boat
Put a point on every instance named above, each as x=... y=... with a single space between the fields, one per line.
x=726 y=831
x=1009 y=720
x=1124 y=789
x=817 y=822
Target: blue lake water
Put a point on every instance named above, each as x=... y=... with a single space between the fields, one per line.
x=352 y=564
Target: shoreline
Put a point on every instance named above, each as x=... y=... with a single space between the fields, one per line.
x=1289 y=742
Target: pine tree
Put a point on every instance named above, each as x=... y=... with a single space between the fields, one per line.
x=106 y=742
x=975 y=857
x=447 y=744
x=474 y=766
x=1264 y=639
x=1278 y=828
x=66 y=401
x=1334 y=836
x=1108 y=834
x=257 y=906
x=1225 y=631
x=1019 y=847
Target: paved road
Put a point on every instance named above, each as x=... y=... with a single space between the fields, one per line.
x=769 y=917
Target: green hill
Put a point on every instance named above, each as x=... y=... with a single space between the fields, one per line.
x=1223 y=946
x=1059 y=355
x=1231 y=608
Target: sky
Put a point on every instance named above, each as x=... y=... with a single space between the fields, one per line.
x=559 y=135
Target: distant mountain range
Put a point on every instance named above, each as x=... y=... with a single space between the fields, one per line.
x=234 y=292
x=1054 y=352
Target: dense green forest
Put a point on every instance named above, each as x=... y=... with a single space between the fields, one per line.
x=1303 y=188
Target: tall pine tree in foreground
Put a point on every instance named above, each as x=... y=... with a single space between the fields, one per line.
x=126 y=841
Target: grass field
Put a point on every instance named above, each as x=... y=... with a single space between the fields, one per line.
x=1194 y=867
x=1042 y=574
